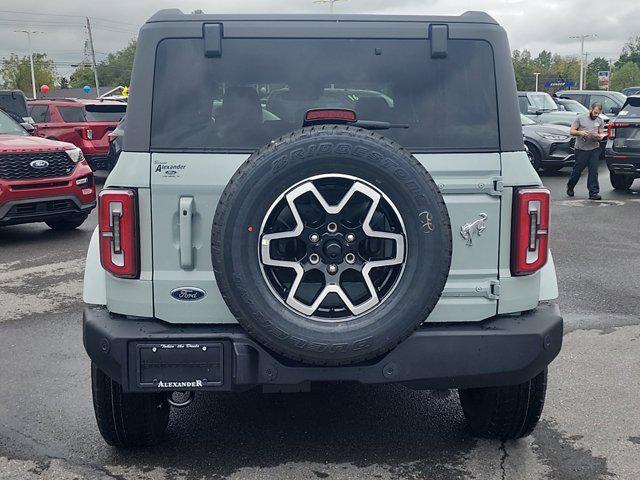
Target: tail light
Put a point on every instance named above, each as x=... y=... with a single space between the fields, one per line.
x=612 y=130
x=85 y=133
x=118 y=229
x=531 y=230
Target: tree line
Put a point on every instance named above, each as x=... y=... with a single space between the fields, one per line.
x=625 y=72
x=115 y=69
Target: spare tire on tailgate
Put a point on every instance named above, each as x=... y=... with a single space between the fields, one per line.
x=331 y=245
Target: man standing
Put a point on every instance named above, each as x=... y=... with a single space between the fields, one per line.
x=588 y=130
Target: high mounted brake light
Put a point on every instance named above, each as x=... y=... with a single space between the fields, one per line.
x=330 y=115
x=530 y=230
x=118 y=230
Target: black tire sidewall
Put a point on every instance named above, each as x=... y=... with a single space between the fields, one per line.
x=275 y=170
x=621 y=182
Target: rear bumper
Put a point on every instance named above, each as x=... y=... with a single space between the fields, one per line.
x=504 y=350
x=623 y=164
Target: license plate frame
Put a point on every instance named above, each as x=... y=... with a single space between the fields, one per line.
x=180 y=365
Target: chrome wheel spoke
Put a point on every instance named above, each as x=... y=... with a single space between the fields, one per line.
x=335 y=245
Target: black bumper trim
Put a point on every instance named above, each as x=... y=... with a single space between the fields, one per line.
x=504 y=350
x=99 y=162
x=40 y=215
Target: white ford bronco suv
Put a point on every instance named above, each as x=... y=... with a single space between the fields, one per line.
x=310 y=199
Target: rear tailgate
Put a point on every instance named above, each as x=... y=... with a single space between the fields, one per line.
x=186 y=188
x=102 y=119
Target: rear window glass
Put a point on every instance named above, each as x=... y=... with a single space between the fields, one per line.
x=631 y=108
x=13 y=102
x=39 y=113
x=105 y=113
x=260 y=89
x=72 y=114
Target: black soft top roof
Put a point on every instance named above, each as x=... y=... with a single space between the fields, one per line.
x=176 y=15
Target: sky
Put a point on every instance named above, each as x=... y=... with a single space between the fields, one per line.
x=530 y=24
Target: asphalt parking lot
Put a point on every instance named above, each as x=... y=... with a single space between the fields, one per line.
x=590 y=427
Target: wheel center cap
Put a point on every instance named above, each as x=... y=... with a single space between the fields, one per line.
x=333 y=250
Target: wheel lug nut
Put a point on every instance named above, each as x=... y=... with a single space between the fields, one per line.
x=350 y=237
x=332 y=227
x=314 y=238
x=314 y=258
x=350 y=258
x=332 y=269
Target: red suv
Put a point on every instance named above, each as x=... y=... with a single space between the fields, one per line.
x=85 y=123
x=42 y=180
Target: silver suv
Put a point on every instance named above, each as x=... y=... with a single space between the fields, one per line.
x=308 y=199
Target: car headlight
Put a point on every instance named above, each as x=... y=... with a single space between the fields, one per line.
x=75 y=154
x=554 y=137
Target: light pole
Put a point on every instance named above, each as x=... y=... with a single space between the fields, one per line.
x=33 y=74
x=537 y=74
x=330 y=2
x=581 y=38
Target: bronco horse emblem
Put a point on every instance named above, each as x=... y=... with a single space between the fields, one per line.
x=476 y=227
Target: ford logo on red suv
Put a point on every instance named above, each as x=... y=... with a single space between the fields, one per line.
x=39 y=164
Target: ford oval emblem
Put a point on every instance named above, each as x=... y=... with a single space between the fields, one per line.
x=188 y=294
x=39 y=164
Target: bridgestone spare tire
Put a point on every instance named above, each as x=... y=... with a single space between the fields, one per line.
x=331 y=245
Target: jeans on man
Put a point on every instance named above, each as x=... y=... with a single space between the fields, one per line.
x=585 y=158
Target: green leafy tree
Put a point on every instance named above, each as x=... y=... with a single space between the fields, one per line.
x=551 y=67
x=544 y=60
x=596 y=65
x=628 y=75
x=81 y=76
x=64 y=82
x=630 y=53
x=113 y=70
x=15 y=72
x=524 y=66
x=565 y=68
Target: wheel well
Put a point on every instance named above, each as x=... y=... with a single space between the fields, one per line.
x=533 y=147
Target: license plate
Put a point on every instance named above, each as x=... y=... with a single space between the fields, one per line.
x=175 y=366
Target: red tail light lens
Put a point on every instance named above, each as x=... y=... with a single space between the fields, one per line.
x=531 y=230
x=612 y=129
x=118 y=230
x=85 y=133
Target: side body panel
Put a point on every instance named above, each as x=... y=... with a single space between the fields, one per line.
x=125 y=296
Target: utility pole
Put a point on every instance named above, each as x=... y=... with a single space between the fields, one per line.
x=610 y=72
x=33 y=73
x=93 y=57
x=537 y=74
x=330 y=2
x=581 y=38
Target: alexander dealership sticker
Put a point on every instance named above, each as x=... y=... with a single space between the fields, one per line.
x=168 y=170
